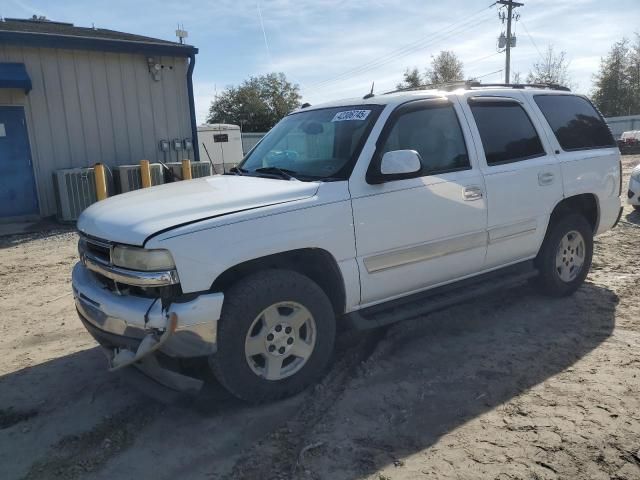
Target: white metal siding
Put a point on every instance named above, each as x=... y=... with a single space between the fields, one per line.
x=88 y=107
x=619 y=125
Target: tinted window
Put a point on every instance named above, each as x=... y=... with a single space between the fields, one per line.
x=576 y=124
x=506 y=131
x=434 y=132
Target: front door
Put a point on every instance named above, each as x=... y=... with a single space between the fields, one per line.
x=18 y=195
x=412 y=234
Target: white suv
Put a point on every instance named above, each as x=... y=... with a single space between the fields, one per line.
x=353 y=213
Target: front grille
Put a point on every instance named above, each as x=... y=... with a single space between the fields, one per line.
x=99 y=251
x=96 y=248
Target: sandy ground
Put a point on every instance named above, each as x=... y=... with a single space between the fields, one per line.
x=512 y=386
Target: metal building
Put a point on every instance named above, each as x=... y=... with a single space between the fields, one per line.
x=73 y=97
x=618 y=125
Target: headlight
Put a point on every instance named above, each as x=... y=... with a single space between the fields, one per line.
x=142 y=259
x=635 y=174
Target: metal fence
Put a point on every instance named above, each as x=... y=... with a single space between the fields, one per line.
x=623 y=124
x=250 y=139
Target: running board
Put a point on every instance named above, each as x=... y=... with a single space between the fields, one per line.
x=440 y=298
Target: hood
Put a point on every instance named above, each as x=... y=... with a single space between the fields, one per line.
x=132 y=217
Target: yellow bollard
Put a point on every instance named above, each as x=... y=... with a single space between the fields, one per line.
x=101 y=181
x=186 y=169
x=145 y=173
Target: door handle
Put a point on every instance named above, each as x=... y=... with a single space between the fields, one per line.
x=545 y=178
x=472 y=192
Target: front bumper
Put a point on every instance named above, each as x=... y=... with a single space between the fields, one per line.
x=124 y=321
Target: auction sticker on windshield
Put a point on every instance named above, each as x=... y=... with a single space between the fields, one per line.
x=351 y=115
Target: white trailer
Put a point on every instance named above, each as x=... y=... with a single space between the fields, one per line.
x=220 y=143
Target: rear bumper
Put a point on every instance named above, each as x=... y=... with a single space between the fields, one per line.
x=618 y=219
x=123 y=321
x=610 y=209
x=633 y=194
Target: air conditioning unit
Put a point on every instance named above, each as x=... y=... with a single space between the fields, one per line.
x=75 y=190
x=129 y=177
x=198 y=169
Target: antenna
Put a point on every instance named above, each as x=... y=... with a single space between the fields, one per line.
x=370 y=94
x=181 y=33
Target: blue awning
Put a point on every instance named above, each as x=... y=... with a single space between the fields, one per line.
x=14 y=75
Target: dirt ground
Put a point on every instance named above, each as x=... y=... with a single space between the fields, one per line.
x=515 y=386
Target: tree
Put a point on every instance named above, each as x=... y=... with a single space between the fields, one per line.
x=257 y=104
x=445 y=68
x=552 y=68
x=411 y=79
x=613 y=91
x=633 y=74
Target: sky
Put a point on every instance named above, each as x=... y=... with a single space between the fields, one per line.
x=337 y=48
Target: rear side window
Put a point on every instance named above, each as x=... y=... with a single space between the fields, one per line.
x=506 y=131
x=574 y=121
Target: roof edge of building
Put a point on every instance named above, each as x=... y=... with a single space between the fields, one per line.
x=52 y=40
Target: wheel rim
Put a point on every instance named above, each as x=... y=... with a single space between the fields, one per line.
x=280 y=340
x=570 y=256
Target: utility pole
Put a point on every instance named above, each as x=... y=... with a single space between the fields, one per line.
x=510 y=6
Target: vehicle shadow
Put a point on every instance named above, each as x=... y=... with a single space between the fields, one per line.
x=432 y=375
x=633 y=217
x=425 y=378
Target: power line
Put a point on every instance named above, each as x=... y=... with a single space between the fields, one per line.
x=486 y=74
x=532 y=41
x=392 y=57
x=408 y=49
x=476 y=60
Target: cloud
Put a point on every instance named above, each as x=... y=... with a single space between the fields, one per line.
x=336 y=48
x=203 y=93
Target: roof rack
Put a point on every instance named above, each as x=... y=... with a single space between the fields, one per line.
x=549 y=86
x=471 y=84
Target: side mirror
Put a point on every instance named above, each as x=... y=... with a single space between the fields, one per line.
x=400 y=162
x=397 y=165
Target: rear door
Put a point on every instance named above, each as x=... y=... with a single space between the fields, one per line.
x=586 y=150
x=522 y=175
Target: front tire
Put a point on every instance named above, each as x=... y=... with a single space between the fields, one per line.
x=275 y=336
x=565 y=257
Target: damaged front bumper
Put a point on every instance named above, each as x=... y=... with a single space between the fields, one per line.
x=132 y=328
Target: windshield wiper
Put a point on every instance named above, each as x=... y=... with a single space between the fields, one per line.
x=236 y=171
x=282 y=172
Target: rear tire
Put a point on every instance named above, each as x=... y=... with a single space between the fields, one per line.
x=275 y=336
x=565 y=257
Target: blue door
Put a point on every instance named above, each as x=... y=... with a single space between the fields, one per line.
x=18 y=195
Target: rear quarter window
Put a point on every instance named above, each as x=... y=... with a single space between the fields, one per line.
x=575 y=122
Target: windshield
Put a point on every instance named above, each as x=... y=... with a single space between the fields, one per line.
x=313 y=145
